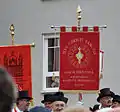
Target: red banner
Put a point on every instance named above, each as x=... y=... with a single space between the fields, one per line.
x=79 y=61
x=17 y=60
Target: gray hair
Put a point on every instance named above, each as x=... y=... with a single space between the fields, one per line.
x=8 y=91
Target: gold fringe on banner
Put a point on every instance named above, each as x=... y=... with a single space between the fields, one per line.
x=80 y=91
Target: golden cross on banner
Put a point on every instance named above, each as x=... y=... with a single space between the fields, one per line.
x=79 y=55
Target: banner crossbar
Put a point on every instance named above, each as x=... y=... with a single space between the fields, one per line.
x=100 y=27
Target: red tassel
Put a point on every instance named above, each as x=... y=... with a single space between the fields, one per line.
x=63 y=29
x=74 y=28
x=85 y=28
x=96 y=28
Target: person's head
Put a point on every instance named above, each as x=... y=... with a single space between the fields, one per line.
x=105 y=97
x=106 y=101
x=61 y=94
x=23 y=101
x=59 y=102
x=117 y=109
x=8 y=91
x=47 y=101
x=39 y=109
x=58 y=106
x=48 y=105
x=76 y=109
x=116 y=101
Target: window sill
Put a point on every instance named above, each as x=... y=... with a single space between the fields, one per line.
x=49 y=90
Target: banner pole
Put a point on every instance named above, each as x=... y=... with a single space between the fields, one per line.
x=100 y=27
x=78 y=29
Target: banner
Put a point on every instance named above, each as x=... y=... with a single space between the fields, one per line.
x=79 y=61
x=17 y=60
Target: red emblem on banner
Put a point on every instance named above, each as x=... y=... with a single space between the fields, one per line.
x=79 y=61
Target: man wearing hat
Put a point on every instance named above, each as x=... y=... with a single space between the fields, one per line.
x=23 y=102
x=104 y=98
x=59 y=102
x=116 y=101
x=47 y=101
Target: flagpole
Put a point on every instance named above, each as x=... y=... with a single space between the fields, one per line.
x=12 y=33
x=78 y=29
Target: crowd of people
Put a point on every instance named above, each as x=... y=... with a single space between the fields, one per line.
x=107 y=100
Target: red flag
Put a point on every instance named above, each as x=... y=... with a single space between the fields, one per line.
x=17 y=60
x=79 y=61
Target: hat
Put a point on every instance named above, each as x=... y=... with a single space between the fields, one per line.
x=105 y=92
x=59 y=96
x=116 y=98
x=24 y=95
x=47 y=98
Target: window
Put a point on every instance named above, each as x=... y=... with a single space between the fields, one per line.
x=53 y=54
x=51 y=60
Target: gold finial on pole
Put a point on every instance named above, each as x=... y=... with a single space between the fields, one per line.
x=78 y=17
x=12 y=33
x=32 y=45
